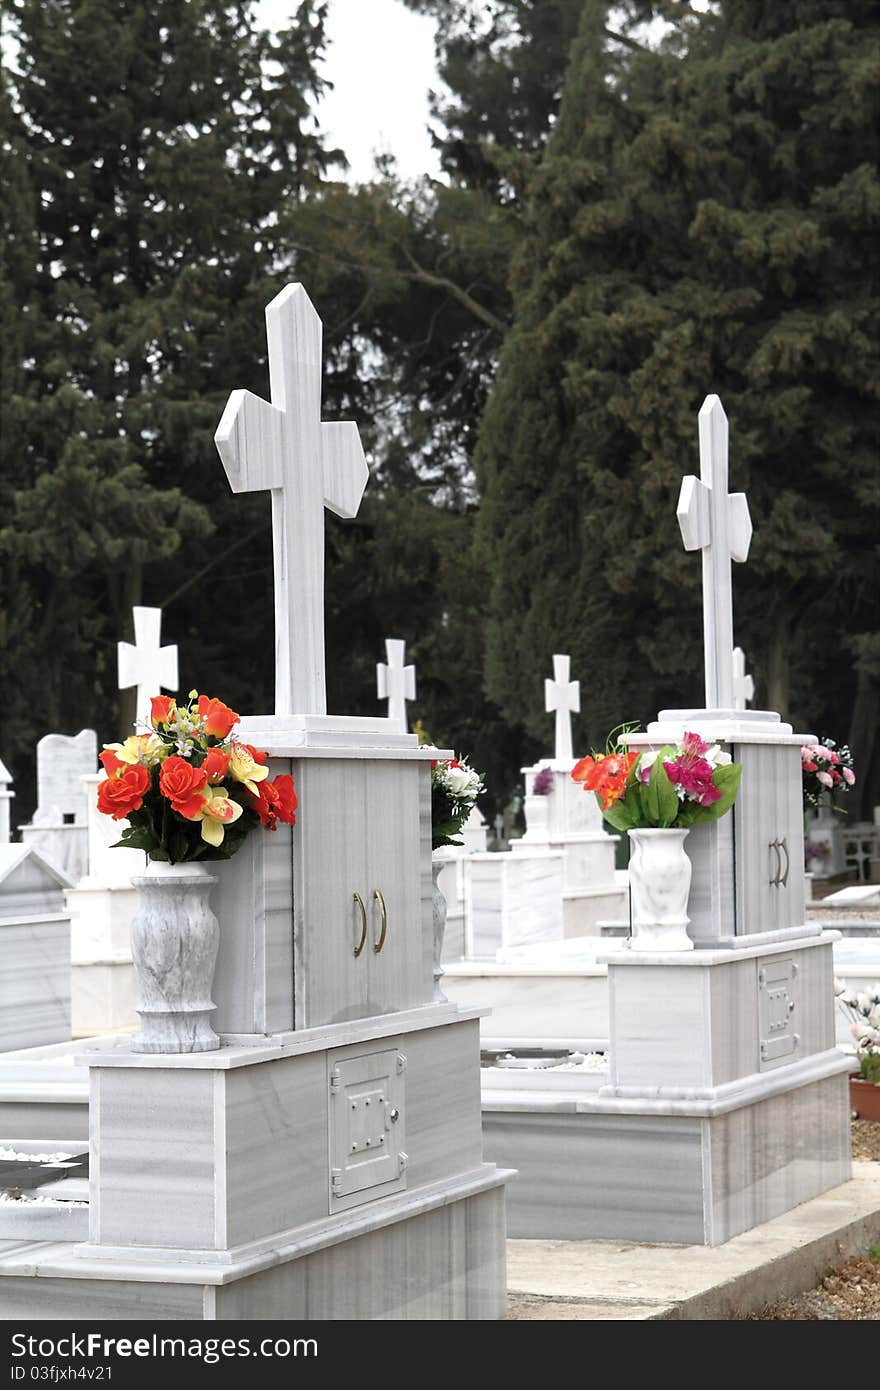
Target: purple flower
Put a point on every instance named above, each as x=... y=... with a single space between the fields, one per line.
x=543 y=783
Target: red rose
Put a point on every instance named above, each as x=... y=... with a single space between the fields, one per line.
x=287 y=799
x=182 y=783
x=276 y=801
x=160 y=709
x=110 y=762
x=216 y=765
x=119 y=796
x=219 y=718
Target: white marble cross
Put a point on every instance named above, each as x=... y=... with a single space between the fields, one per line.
x=718 y=523
x=743 y=685
x=563 y=696
x=307 y=465
x=396 y=683
x=149 y=666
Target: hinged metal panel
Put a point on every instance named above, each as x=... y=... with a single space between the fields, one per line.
x=777 y=1009
x=366 y=1128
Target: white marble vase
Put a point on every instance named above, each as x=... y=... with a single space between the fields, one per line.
x=438 y=904
x=174 y=941
x=660 y=881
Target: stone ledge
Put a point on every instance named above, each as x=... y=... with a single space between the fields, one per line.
x=615 y=1279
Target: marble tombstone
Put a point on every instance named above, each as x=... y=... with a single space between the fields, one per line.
x=326 y=1162
x=725 y=1101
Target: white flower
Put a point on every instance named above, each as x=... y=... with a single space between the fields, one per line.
x=647 y=760
x=716 y=757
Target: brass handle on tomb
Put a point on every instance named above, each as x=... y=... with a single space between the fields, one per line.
x=377 y=896
x=356 y=897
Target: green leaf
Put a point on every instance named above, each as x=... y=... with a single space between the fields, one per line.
x=659 y=799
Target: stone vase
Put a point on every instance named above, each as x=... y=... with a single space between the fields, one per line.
x=537 y=819
x=659 y=882
x=174 y=942
x=438 y=904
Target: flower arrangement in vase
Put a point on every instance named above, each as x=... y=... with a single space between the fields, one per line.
x=656 y=796
x=191 y=793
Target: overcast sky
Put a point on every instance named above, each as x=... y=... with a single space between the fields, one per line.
x=380 y=59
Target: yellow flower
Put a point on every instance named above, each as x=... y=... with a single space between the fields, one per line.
x=146 y=749
x=215 y=812
x=246 y=769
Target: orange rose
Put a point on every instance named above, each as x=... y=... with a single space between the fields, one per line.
x=160 y=709
x=216 y=764
x=219 y=718
x=182 y=784
x=119 y=796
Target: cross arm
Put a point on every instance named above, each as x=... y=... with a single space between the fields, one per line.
x=250 y=442
x=344 y=466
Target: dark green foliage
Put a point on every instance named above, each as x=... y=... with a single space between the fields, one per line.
x=705 y=219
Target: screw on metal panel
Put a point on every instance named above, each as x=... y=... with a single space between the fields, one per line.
x=401 y=1063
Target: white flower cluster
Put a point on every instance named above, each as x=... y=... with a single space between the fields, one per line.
x=459 y=779
x=863 y=1009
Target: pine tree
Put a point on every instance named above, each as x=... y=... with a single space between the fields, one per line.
x=155 y=143
x=704 y=219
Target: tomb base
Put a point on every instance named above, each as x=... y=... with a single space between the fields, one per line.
x=725 y=1102
x=333 y=1172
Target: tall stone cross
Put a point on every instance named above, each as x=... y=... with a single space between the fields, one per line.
x=718 y=523
x=396 y=683
x=147 y=665
x=743 y=685
x=306 y=465
x=563 y=696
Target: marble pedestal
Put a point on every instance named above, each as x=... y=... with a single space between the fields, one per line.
x=326 y=1162
x=511 y=898
x=722 y=1107
x=568 y=820
x=34 y=950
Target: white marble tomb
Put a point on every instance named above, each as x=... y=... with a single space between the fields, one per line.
x=34 y=950
x=59 y=826
x=726 y=1100
x=337 y=1129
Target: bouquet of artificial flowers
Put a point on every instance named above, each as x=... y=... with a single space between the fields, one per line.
x=188 y=789
x=826 y=768
x=455 y=787
x=673 y=787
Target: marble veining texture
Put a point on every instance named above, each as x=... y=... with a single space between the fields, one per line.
x=512 y=899
x=34 y=983
x=174 y=940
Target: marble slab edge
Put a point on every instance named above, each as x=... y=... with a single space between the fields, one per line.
x=244 y=1050
x=715 y=956
x=701 y=1104
x=489 y=969
x=34 y=919
x=159 y=1265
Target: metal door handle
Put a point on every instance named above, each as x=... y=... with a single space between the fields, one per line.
x=356 y=897
x=774 y=877
x=377 y=896
x=784 y=878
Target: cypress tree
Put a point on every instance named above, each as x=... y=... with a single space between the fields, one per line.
x=704 y=219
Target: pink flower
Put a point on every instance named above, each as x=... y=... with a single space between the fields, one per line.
x=833 y=757
x=694 y=746
x=849 y=776
x=825 y=778
x=694 y=776
x=809 y=767
x=806 y=753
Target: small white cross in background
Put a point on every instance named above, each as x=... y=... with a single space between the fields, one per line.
x=396 y=683
x=718 y=523
x=5 y=797
x=147 y=665
x=743 y=685
x=563 y=696
x=307 y=465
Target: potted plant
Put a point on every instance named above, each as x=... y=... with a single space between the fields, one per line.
x=863 y=1010
x=656 y=797
x=455 y=786
x=190 y=793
